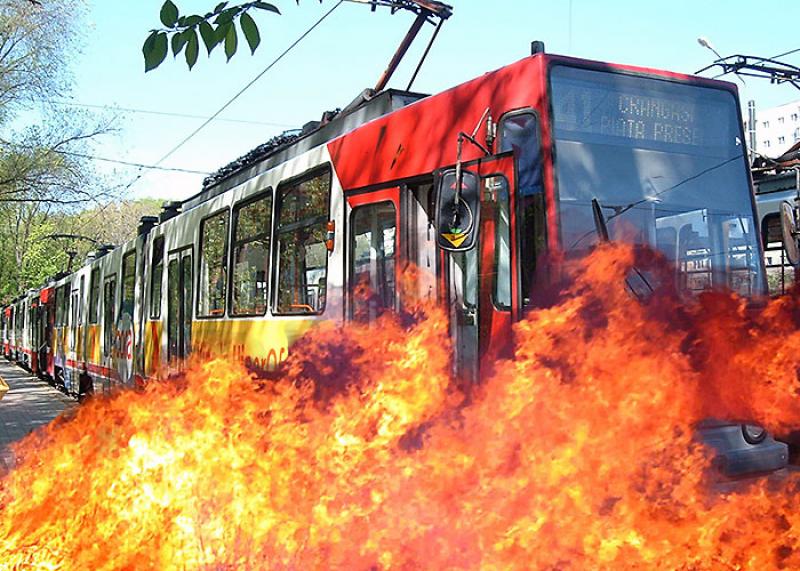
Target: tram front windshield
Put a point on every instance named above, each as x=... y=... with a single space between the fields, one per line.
x=665 y=162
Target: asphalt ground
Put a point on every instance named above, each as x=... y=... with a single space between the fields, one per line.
x=29 y=403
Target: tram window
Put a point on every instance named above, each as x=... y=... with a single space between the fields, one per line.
x=212 y=278
x=519 y=132
x=372 y=260
x=128 y=283
x=94 y=297
x=109 y=292
x=501 y=290
x=62 y=301
x=156 y=280
x=252 y=224
x=173 y=302
x=302 y=255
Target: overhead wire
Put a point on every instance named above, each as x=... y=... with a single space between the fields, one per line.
x=165 y=113
x=227 y=104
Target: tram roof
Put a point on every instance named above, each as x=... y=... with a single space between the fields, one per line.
x=293 y=143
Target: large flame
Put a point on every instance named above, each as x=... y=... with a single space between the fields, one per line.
x=578 y=453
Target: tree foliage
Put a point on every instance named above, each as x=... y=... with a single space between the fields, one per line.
x=183 y=33
x=45 y=173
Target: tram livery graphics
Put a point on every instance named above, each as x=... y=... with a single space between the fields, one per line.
x=541 y=156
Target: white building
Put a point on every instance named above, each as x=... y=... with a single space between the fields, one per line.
x=776 y=128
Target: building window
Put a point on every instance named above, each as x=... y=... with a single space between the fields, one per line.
x=766 y=124
x=797 y=134
x=252 y=225
x=213 y=275
x=302 y=252
x=781 y=140
x=766 y=144
x=794 y=117
x=780 y=120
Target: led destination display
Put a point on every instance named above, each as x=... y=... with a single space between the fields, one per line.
x=616 y=106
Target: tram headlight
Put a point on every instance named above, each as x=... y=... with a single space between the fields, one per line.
x=754 y=434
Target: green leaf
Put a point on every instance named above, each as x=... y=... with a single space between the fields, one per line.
x=192 y=47
x=226 y=16
x=157 y=44
x=269 y=7
x=192 y=20
x=169 y=14
x=178 y=41
x=208 y=35
x=220 y=7
x=230 y=41
x=250 y=31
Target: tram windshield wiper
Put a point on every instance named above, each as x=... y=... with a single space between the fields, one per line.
x=635 y=281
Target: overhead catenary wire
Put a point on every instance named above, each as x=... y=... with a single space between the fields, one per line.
x=228 y=103
x=166 y=113
x=131 y=164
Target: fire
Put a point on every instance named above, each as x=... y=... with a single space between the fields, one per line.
x=578 y=453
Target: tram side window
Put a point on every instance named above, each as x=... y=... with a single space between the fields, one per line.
x=61 y=306
x=128 y=283
x=156 y=280
x=501 y=290
x=109 y=291
x=94 y=297
x=302 y=255
x=212 y=278
x=251 y=240
x=372 y=260
x=520 y=132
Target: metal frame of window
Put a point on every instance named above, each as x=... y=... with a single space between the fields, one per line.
x=225 y=263
x=310 y=174
x=244 y=203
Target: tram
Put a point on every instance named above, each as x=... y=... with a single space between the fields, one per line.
x=491 y=188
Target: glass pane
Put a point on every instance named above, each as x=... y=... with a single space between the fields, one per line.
x=213 y=271
x=156 y=278
x=251 y=258
x=303 y=257
x=108 y=313
x=128 y=283
x=94 y=301
x=666 y=162
x=186 y=314
x=373 y=260
x=173 y=307
x=520 y=133
x=502 y=246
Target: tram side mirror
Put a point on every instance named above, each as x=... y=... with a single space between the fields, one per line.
x=789 y=230
x=457 y=213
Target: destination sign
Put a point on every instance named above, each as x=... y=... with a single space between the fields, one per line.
x=640 y=109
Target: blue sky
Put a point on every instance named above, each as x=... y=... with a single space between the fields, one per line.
x=349 y=51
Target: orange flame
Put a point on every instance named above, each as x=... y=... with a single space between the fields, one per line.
x=578 y=453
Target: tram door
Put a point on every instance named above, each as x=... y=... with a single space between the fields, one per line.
x=179 y=306
x=480 y=291
x=373 y=259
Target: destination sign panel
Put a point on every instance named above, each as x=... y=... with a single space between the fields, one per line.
x=639 y=110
